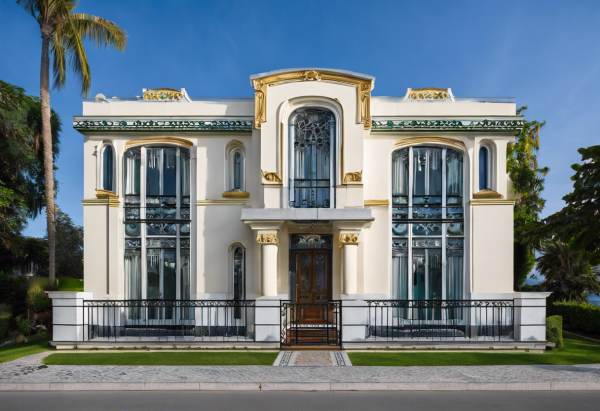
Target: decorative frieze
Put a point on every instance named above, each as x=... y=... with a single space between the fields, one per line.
x=163 y=94
x=158 y=125
x=412 y=125
x=267 y=239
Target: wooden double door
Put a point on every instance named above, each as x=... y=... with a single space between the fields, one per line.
x=313 y=285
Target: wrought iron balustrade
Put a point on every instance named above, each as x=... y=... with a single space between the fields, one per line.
x=440 y=320
x=168 y=320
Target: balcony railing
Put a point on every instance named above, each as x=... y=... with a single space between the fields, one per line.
x=440 y=320
x=177 y=320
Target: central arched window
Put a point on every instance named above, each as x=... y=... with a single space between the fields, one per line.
x=427 y=224
x=157 y=223
x=312 y=136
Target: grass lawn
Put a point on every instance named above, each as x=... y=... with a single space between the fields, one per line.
x=577 y=351
x=163 y=358
x=14 y=351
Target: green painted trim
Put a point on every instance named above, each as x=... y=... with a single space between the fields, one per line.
x=160 y=125
x=451 y=125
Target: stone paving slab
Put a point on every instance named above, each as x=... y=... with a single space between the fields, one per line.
x=29 y=374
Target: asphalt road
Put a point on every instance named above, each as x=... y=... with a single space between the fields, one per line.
x=283 y=401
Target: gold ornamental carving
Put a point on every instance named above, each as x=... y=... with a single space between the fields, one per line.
x=271 y=177
x=105 y=194
x=311 y=75
x=354 y=177
x=348 y=239
x=363 y=89
x=486 y=193
x=429 y=94
x=267 y=239
x=163 y=94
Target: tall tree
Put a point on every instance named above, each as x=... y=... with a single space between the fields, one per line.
x=21 y=164
x=63 y=33
x=528 y=182
x=578 y=223
x=69 y=244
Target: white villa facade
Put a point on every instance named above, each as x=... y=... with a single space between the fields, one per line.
x=313 y=213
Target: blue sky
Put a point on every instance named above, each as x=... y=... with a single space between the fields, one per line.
x=545 y=54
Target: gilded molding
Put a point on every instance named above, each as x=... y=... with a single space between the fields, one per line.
x=159 y=140
x=267 y=239
x=348 y=239
x=363 y=89
x=451 y=125
x=491 y=202
x=236 y=194
x=444 y=141
x=163 y=94
x=111 y=202
x=487 y=194
x=89 y=125
x=272 y=177
x=355 y=177
x=374 y=203
x=105 y=194
x=231 y=201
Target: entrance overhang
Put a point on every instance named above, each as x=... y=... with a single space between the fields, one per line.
x=342 y=218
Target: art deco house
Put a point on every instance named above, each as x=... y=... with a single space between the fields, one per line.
x=313 y=213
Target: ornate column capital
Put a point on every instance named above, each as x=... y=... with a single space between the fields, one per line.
x=264 y=239
x=348 y=239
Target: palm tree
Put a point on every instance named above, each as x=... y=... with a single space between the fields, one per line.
x=63 y=33
x=568 y=273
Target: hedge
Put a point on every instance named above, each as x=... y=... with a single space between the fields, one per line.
x=582 y=317
x=554 y=331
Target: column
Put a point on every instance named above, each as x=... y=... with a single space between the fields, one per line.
x=268 y=265
x=349 y=244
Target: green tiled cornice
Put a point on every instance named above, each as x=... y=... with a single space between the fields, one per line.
x=450 y=125
x=159 y=125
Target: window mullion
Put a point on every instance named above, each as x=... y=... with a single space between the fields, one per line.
x=144 y=262
x=409 y=225
x=444 y=232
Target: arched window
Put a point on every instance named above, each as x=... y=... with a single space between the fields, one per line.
x=427 y=227
x=312 y=153
x=108 y=168
x=235 y=166
x=157 y=224
x=484 y=168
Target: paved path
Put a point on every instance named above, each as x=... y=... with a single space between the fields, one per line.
x=545 y=377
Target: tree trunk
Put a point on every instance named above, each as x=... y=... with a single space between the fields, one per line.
x=47 y=145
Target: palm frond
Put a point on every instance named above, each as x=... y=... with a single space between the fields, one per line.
x=102 y=32
x=59 y=65
x=77 y=56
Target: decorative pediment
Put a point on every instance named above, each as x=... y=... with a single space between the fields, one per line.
x=429 y=94
x=364 y=85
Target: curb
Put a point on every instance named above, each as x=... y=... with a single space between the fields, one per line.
x=300 y=386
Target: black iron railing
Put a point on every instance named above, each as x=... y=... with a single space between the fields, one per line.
x=311 y=323
x=440 y=320
x=173 y=320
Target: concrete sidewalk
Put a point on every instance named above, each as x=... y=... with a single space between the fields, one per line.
x=27 y=374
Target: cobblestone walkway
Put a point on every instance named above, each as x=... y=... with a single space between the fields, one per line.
x=31 y=369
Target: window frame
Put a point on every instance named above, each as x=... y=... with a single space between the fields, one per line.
x=444 y=221
x=100 y=169
x=488 y=168
x=333 y=137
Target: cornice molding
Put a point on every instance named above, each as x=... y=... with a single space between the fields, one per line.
x=225 y=201
x=111 y=202
x=487 y=194
x=159 y=140
x=451 y=125
x=159 y=125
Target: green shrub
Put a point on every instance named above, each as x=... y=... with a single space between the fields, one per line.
x=38 y=283
x=69 y=284
x=554 y=331
x=4 y=324
x=13 y=291
x=23 y=325
x=38 y=301
x=582 y=317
